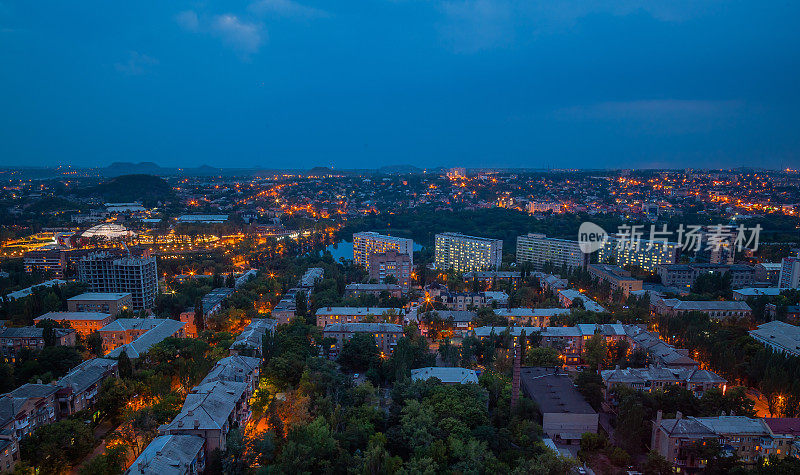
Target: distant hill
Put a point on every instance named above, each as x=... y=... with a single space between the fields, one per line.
x=126 y=188
x=399 y=169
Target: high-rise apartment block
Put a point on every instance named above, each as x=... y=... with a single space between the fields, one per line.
x=539 y=249
x=467 y=253
x=390 y=263
x=645 y=254
x=368 y=243
x=790 y=273
x=137 y=276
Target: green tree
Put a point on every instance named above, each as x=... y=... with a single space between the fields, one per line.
x=54 y=448
x=359 y=353
x=94 y=342
x=125 y=366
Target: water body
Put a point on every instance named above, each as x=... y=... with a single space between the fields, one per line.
x=345 y=249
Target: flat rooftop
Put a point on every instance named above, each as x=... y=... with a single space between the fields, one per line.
x=553 y=391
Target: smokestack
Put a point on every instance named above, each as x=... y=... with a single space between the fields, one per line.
x=518 y=349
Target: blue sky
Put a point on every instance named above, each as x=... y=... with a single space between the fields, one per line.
x=297 y=84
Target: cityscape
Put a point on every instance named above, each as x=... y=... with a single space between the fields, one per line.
x=456 y=237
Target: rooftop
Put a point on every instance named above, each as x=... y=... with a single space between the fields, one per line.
x=364 y=327
x=553 y=391
x=780 y=334
x=445 y=375
x=58 y=316
x=358 y=310
x=167 y=454
x=91 y=296
x=147 y=340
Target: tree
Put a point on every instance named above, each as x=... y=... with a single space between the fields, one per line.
x=199 y=321
x=125 y=366
x=54 y=448
x=359 y=353
x=590 y=384
x=595 y=351
x=95 y=343
x=301 y=302
x=230 y=281
x=542 y=356
x=656 y=464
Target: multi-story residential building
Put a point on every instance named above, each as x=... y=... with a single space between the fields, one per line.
x=386 y=334
x=768 y=272
x=327 y=315
x=110 y=302
x=310 y=277
x=79 y=389
x=365 y=244
x=251 y=338
x=21 y=294
x=445 y=375
x=237 y=368
x=489 y=279
x=653 y=378
x=354 y=290
x=617 y=278
x=537 y=317
x=171 y=454
x=83 y=322
x=646 y=255
x=391 y=263
x=539 y=249
x=779 y=336
x=568 y=296
x=715 y=309
x=125 y=330
x=683 y=276
x=790 y=273
x=717 y=245
x=137 y=276
x=167 y=328
x=27 y=408
x=748 y=440
x=661 y=352
x=456 y=322
x=12 y=340
x=467 y=253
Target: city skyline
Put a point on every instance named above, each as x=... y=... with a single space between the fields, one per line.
x=282 y=84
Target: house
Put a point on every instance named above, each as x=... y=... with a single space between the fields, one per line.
x=240 y=369
x=565 y=414
x=355 y=290
x=445 y=375
x=251 y=338
x=124 y=330
x=568 y=296
x=715 y=309
x=328 y=315
x=102 y=302
x=539 y=317
x=652 y=378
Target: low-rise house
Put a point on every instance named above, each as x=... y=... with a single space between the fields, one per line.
x=385 y=334
x=445 y=375
x=103 y=302
x=652 y=378
x=748 y=440
x=565 y=413
x=78 y=389
x=327 y=315
x=140 y=346
x=12 y=340
x=171 y=455
x=83 y=322
x=250 y=340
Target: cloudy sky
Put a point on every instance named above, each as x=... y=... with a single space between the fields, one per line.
x=364 y=83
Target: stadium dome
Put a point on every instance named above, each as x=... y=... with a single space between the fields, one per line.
x=107 y=231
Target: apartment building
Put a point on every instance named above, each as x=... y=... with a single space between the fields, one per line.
x=328 y=315
x=137 y=276
x=365 y=244
x=683 y=276
x=171 y=454
x=467 y=253
x=139 y=347
x=647 y=255
x=354 y=290
x=789 y=277
x=568 y=296
x=250 y=341
x=537 y=317
x=386 y=334
x=104 y=302
x=654 y=378
x=538 y=249
x=391 y=263
x=123 y=331
x=445 y=375
x=83 y=322
x=779 y=336
x=715 y=309
x=79 y=389
x=489 y=279
x=617 y=277
x=13 y=340
x=748 y=440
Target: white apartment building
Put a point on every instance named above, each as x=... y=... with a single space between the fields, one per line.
x=647 y=254
x=467 y=253
x=367 y=243
x=790 y=273
x=539 y=249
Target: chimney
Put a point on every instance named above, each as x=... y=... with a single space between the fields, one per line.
x=190 y=413
x=518 y=349
x=656 y=431
x=180 y=423
x=196 y=423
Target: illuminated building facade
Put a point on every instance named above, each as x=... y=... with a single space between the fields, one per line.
x=648 y=254
x=368 y=243
x=539 y=249
x=467 y=253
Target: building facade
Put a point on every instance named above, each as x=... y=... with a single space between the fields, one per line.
x=467 y=253
x=790 y=273
x=366 y=244
x=137 y=276
x=647 y=254
x=391 y=263
x=385 y=334
x=111 y=302
x=538 y=249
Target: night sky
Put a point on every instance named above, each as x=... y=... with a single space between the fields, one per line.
x=360 y=84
